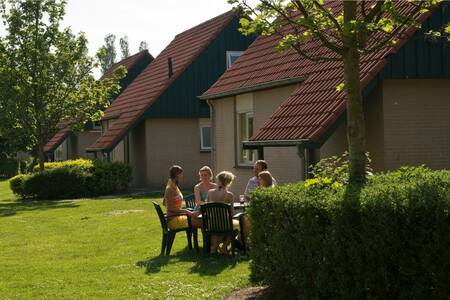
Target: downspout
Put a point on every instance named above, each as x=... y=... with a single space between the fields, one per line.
x=301 y=154
x=213 y=138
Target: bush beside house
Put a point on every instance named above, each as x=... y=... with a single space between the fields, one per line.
x=315 y=241
x=73 y=179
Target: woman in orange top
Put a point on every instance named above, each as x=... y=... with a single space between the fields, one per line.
x=173 y=201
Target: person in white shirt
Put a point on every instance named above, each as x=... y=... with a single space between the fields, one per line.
x=253 y=183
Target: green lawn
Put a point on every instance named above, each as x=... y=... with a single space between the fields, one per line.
x=104 y=248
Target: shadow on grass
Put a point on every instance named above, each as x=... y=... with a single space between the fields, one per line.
x=205 y=264
x=11 y=208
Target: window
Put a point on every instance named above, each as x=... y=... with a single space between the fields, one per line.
x=96 y=126
x=245 y=131
x=232 y=56
x=205 y=137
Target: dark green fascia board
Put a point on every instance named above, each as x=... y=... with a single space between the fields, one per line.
x=254 y=88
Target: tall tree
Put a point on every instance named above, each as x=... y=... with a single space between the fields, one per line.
x=46 y=74
x=124 y=47
x=143 y=46
x=108 y=58
x=355 y=29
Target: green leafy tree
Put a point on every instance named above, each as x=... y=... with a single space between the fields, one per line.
x=357 y=29
x=124 y=47
x=46 y=75
x=143 y=46
x=108 y=50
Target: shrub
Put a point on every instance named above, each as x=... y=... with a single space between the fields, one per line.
x=387 y=240
x=16 y=184
x=73 y=179
x=57 y=183
x=109 y=177
x=84 y=164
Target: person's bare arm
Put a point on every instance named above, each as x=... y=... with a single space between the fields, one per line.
x=230 y=200
x=198 y=198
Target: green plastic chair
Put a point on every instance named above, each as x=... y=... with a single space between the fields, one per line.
x=218 y=220
x=190 y=201
x=168 y=235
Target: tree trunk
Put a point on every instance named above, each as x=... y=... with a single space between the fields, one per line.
x=41 y=154
x=356 y=130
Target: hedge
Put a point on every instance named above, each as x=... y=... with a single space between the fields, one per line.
x=84 y=164
x=325 y=240
x=10 y=167
x=73 y=179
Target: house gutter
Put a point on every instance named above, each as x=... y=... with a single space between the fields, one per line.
x=277 y=143
x=254 y=88
x=213 y=138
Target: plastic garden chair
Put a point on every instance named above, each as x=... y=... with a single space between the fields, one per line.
x=217 y=220
x=168 y=235
x=190 y=201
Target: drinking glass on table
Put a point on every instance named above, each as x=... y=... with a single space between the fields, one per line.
x=242 y=199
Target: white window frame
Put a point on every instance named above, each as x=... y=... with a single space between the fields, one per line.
x=96 y=127
x=240 y=150
x=232 y=53
x=202 y=145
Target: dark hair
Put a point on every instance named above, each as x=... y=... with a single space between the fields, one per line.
x=174 y=171
x=262 y=163
x=266 y=177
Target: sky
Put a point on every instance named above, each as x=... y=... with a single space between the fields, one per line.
x=156 y=22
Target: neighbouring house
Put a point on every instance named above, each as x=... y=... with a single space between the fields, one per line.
x=65 y=144
x=287 y=110
x=158 y=121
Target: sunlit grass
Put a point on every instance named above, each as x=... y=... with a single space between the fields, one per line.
x=102 y=248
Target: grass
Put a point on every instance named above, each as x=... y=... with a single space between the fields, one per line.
x=102 y=249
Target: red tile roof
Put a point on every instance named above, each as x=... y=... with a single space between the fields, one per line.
x=62 y=134
x=57 y=140
x=154 y=80
x=128 y=62
x=315 y=104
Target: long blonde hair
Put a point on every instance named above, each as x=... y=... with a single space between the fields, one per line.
x=225 y=178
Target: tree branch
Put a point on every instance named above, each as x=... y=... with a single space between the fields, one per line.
x=313 y=28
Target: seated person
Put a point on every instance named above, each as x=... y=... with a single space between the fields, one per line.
x=202 y=188
x=265 y=179
x=223 y=195
x=177 y=217
x=253 y=183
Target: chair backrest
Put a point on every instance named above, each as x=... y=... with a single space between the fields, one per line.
x=190 y=201
x=217 y=217
x=161 y=216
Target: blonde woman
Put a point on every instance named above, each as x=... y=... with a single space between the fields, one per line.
x=223 y=195
x=265 y=179
x=177 y=217
x=202 y=188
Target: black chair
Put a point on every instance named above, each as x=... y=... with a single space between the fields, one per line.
x=190 y=201
x=169 y=234
x=218 y=220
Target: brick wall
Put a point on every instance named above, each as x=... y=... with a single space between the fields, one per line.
x=416 y=123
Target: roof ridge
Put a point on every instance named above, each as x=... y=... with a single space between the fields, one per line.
x=231 y=12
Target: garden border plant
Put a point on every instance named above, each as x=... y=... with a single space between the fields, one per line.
x=326 y=240
x=73 y=179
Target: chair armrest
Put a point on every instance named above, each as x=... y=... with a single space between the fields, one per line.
x=238 y=215
x=175 y=215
